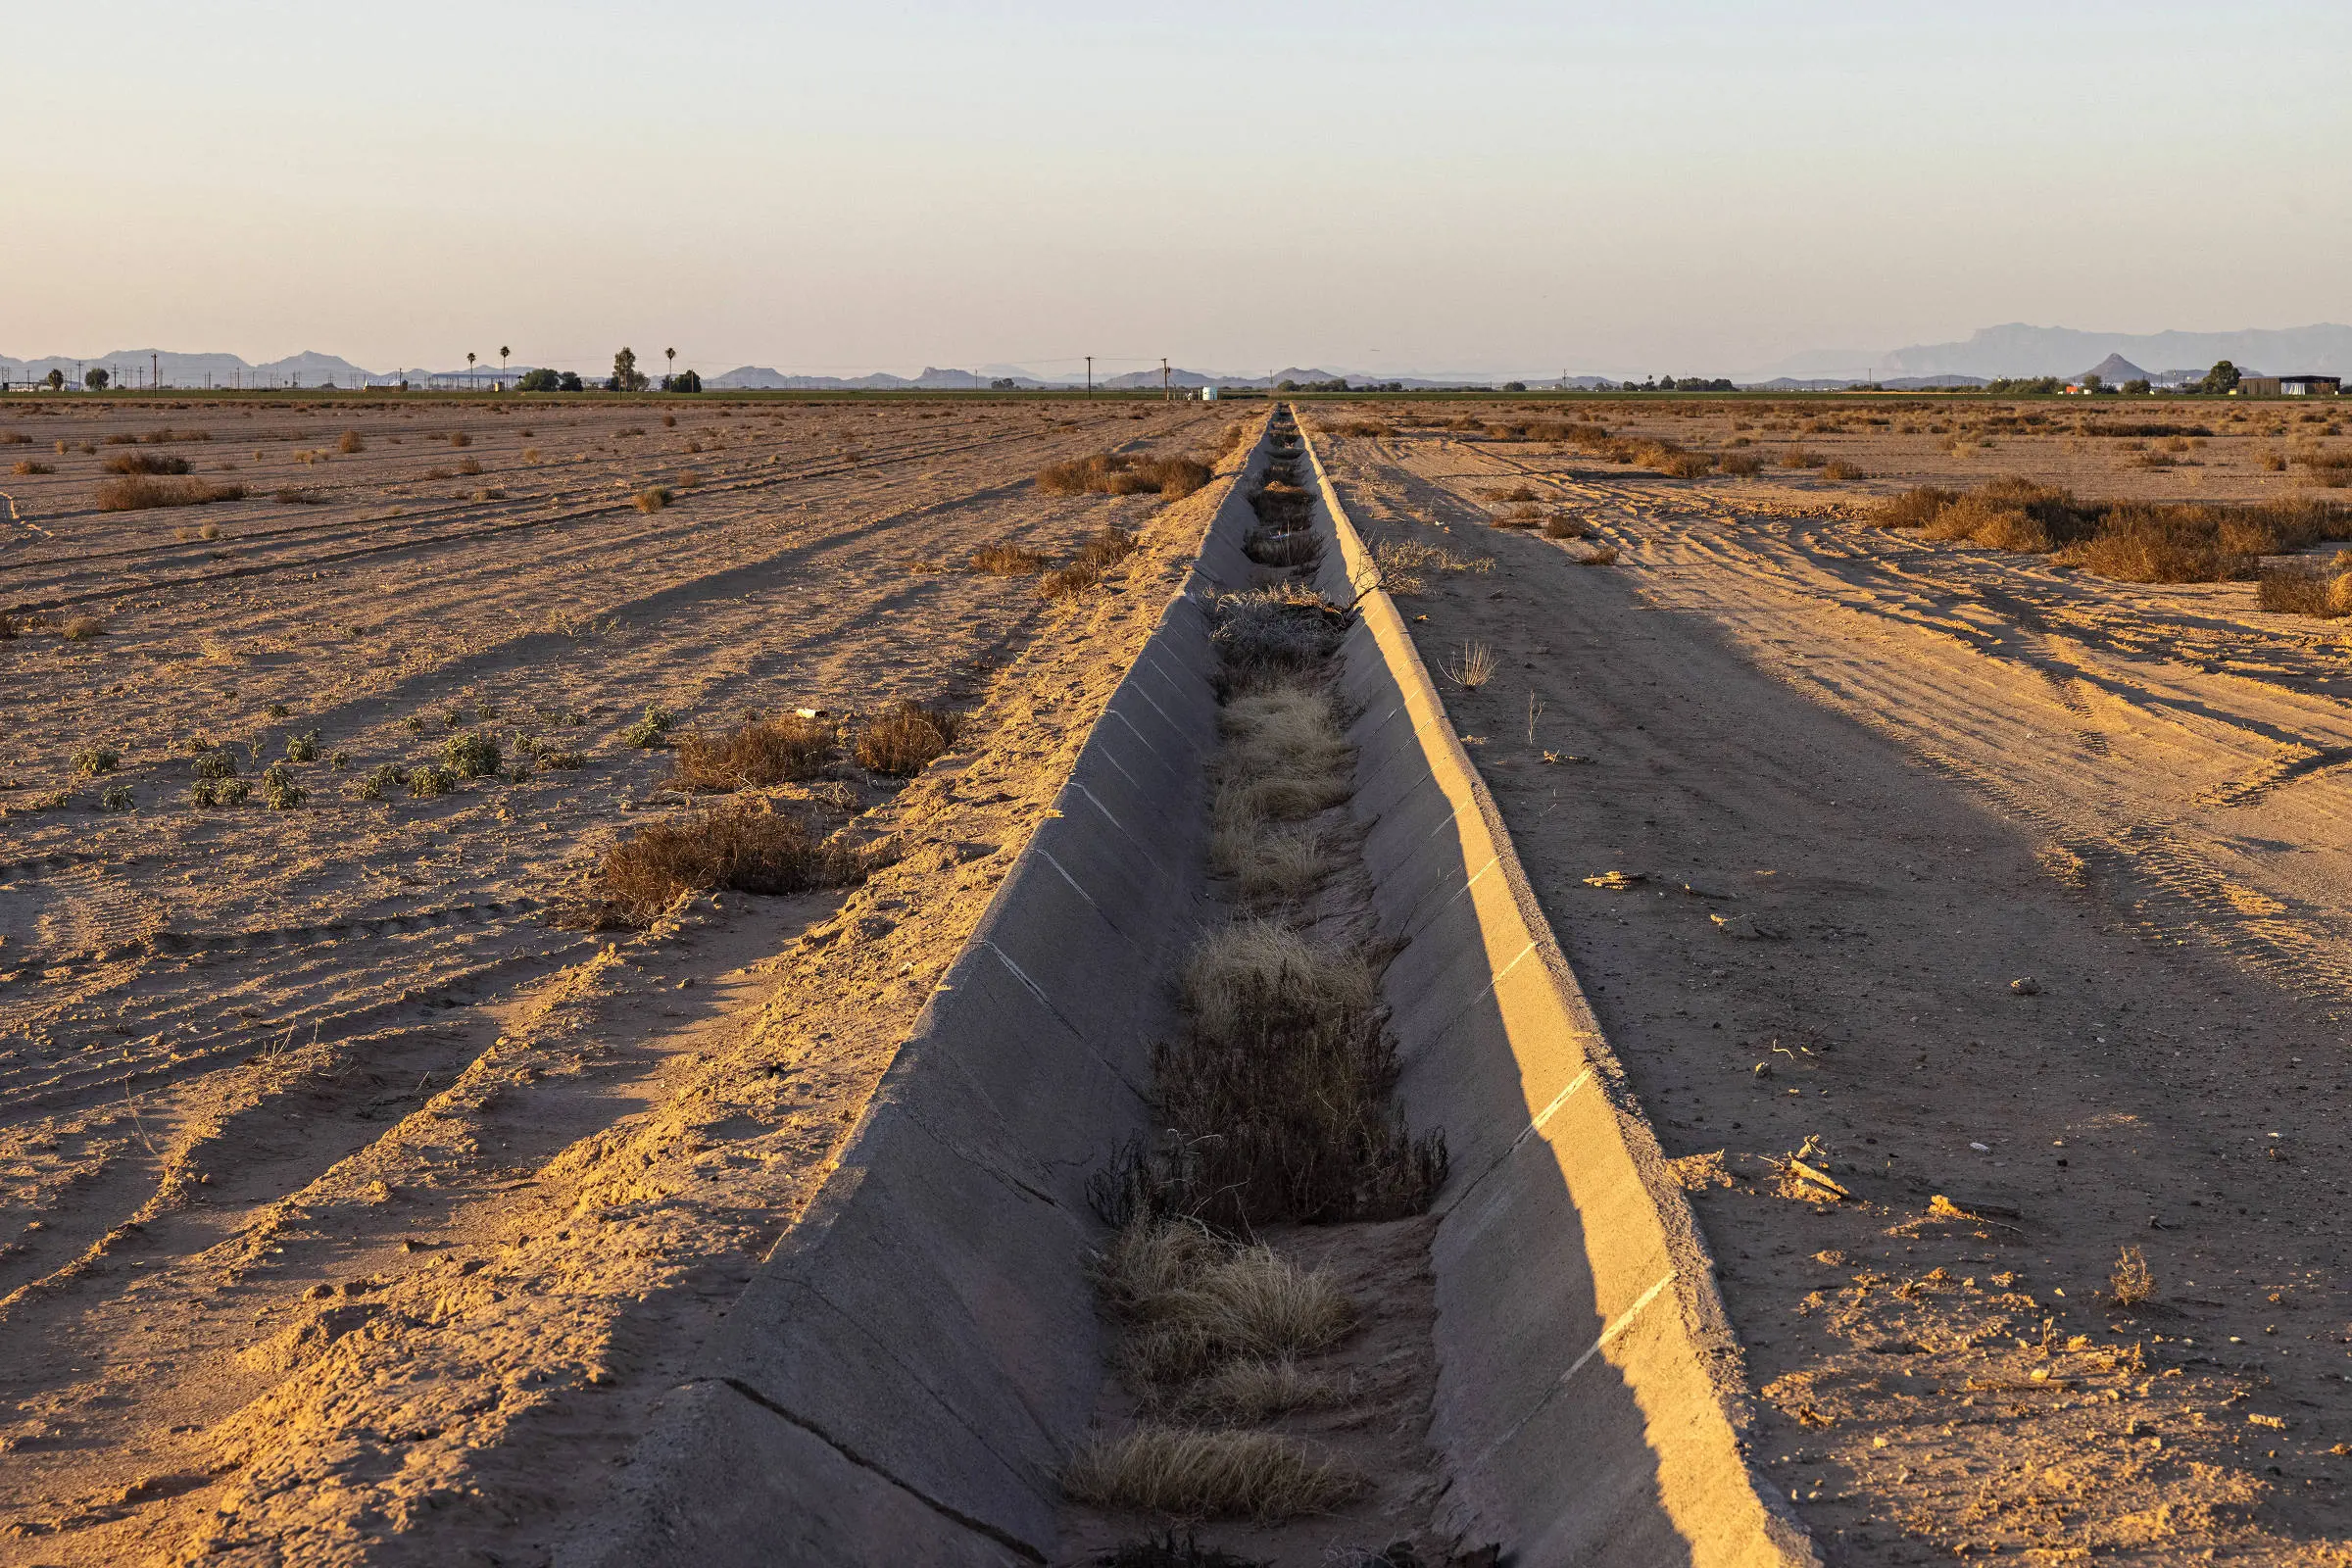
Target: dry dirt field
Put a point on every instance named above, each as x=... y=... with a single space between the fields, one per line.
x=353 y=1196
x=2015 y=901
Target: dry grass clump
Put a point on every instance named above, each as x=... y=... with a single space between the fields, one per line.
x=1799 y=458
x=747 y=849
x=1122 y=474
x=139 y=491
x=1007 y=559
x=349 y=441
x=1402 y=562
x=144 y=463
x=2132 y=1282
x=1242 y=974
x=765 y=752
x=2130 y=541
x=1257 y=1390
x=1285 y=629
x=1740 y=465
x=1840 y=468
x=1675 y=461
x=906 y=737
x=2308 y=588
x=1472 y=668
x=1206 y=1473
x=2328 y=467
x=1277 y=1101
x=27 y=466
x=2163 y=544
x=1193 y=1303
x=1913 y=509
x=1107 y=548
x=2010 y=513
x=1292 y=548
x=653 y=497
x=1281 y=506
x=1069 y=581
x=1284 y=760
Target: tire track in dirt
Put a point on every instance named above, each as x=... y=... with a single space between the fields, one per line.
x=1762 y=573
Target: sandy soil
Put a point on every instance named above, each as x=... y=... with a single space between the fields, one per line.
x=354 y=1209
x=1859 y=785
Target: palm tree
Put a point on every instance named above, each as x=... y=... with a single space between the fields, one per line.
x=673 y=363
x=503 y=352
x=469 y=367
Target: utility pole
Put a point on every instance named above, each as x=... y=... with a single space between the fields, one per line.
x=154 y=371
x=1165 y=395
x=1090 y=375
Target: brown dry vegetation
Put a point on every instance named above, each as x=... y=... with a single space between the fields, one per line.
x=907 y=737
x=1120 y=474
x=747 y=849
x=1003 y=560
x=2130 y=541
x=771 y=751
x=141 y=492
x=144 y=463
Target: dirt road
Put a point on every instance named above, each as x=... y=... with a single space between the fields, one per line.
x=354 y=1207
x=2015 y=904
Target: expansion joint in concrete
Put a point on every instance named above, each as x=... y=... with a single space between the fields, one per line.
x=1533 y=1126
x=1624 y=1321
x=1011 y=1542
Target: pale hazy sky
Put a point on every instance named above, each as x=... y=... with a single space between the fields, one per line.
x=1486 y=186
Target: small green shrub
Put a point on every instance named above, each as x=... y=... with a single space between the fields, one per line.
x=216 y=763
x=96 y=761
x=474 y=755
x=117 y=797
x=218 y=792
x=303 y=748
x=340 y=761
x=279 y=791
x=649 y=731
x=378 y=781
x=430 y=780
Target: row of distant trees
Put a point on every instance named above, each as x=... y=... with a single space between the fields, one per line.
x=2219 y=381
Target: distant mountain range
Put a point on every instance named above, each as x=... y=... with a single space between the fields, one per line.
x=135 y=366
x=2019 y=350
